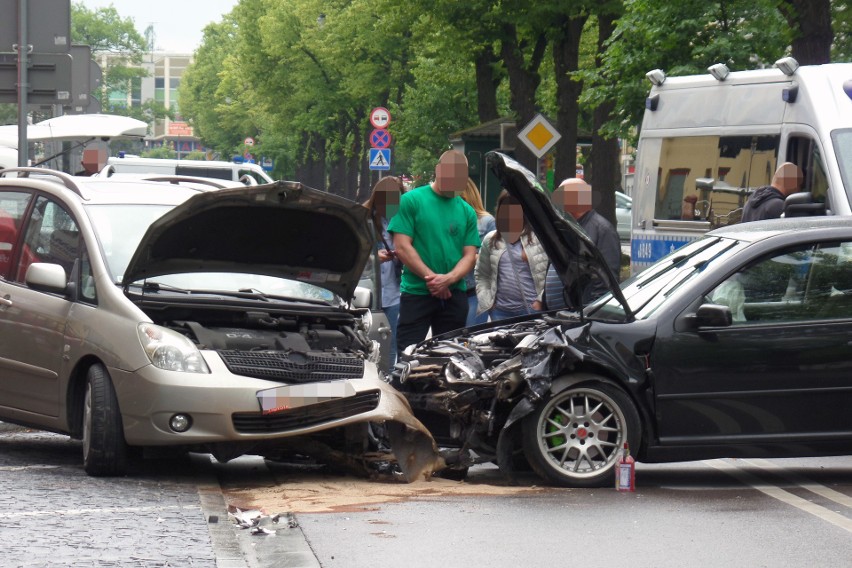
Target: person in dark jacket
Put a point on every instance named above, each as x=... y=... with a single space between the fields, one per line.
x=574 y=196
x=767 y=202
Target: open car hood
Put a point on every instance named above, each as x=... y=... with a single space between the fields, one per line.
x=282 y=229
x=572 y=253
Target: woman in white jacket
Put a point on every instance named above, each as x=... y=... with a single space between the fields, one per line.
x=512 y=265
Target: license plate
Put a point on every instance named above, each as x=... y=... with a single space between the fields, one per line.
x=279 y=399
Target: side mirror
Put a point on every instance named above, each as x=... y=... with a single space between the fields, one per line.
x=47 y=277
x=363 y=297
x=802 y=204
x=711 y=315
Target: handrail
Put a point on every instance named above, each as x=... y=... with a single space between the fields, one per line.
x=66 y=179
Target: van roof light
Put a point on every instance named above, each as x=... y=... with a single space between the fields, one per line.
x=787 y=65
x=656 y=76
x=719 y=71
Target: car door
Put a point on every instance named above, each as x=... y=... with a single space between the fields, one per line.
x=32 y=322
x=781 y=372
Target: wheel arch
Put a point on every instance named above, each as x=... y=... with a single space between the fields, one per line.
x=75 y=394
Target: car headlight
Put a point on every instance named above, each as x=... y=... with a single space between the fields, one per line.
x=367 y=321
x=170 y=350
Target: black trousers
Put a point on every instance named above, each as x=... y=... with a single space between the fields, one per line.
x=418 y=313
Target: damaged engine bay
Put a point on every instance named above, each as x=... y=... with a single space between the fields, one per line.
x=487 y=397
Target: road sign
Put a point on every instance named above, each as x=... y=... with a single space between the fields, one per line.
x=380 y=117
x=249 y=141
x=380 y=138
x=539 y=136
x=48 y=25
x=49 y=77
x=380 y=159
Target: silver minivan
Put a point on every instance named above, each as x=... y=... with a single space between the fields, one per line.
x=136 y=314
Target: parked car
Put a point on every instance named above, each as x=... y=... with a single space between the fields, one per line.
x=623 y=214
x=736 y=345
x=224 y=320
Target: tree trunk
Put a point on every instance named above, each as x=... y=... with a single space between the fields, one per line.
x=486 y=85
x=524 y=80
x=566 y=56
x=605 y=175
x=311 y=167
x=811 y=20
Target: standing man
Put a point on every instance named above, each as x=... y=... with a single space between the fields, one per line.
x=767 y=202
x=574 y=196
x=436 y=237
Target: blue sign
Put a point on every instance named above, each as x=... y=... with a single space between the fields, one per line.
x=646 y=251
x=380 y=159
x=380 y=139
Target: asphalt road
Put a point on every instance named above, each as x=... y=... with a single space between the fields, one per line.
x=172 y=512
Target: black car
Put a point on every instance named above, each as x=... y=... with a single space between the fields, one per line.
x=739 y=344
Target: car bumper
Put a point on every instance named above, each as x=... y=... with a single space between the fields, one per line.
x=226 y=408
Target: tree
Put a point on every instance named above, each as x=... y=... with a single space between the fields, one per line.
x=810 y=21
x=681 y=38
x=105 y=31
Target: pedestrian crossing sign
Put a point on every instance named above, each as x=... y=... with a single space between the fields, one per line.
x=380 y=159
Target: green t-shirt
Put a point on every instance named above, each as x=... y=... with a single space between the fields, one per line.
x=439 y=228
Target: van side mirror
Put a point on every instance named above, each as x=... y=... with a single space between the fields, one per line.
x=802 y=204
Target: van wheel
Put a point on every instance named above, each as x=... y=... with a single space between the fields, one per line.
x=574 y=437
x=104 y=449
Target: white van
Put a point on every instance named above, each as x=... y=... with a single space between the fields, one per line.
x=232 y=171
x=707 y=141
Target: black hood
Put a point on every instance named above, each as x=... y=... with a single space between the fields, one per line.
x=282 y=229
x=571 y=252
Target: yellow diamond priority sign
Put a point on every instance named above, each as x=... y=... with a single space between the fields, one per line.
x=539 y=136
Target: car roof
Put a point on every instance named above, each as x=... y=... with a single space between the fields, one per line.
x=802 y=227
x=106 y=190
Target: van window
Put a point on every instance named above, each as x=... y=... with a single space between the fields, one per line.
x=200 y=171
x=728 y=168
x=804 y=152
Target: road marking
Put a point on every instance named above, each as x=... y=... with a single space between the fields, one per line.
x=25 y=467
x=804 y=483
x=70 y=512
x=775 y=492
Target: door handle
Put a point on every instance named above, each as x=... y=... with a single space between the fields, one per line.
x=6 y=301
x=384 y=331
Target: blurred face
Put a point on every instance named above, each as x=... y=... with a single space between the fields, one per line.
x=574 y=197
x=387 y=204
x=451 y=174
x=510 y=221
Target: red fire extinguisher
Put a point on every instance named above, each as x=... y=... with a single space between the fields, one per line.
x=625 y=471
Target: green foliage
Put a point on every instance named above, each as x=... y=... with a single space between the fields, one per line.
x=164 y=151
x=681 y=38
x=107 y=32
x=196 y=155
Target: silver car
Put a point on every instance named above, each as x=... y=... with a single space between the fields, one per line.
x=623 y=214
x=138 y=313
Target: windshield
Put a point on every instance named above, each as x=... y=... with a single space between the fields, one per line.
x=647 y=291
x=120 y=228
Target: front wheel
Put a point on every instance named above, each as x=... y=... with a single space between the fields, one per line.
x=574 y=438
x=104 y=448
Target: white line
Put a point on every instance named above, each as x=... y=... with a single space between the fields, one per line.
x=805 y=483
x=26 y=467
x=819 y=511
x=107 y=510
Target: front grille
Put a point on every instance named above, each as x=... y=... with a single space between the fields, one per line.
x=293 y=367
x=305 y=416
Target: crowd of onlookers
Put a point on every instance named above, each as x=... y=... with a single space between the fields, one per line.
x=447 y=263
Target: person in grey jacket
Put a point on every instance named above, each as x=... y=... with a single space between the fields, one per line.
x=574 y=196
x=511 y=266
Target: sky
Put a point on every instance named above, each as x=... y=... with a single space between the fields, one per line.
x=178 y=24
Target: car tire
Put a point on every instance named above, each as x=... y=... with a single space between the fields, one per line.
x=574 y=437
x=105 y=452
